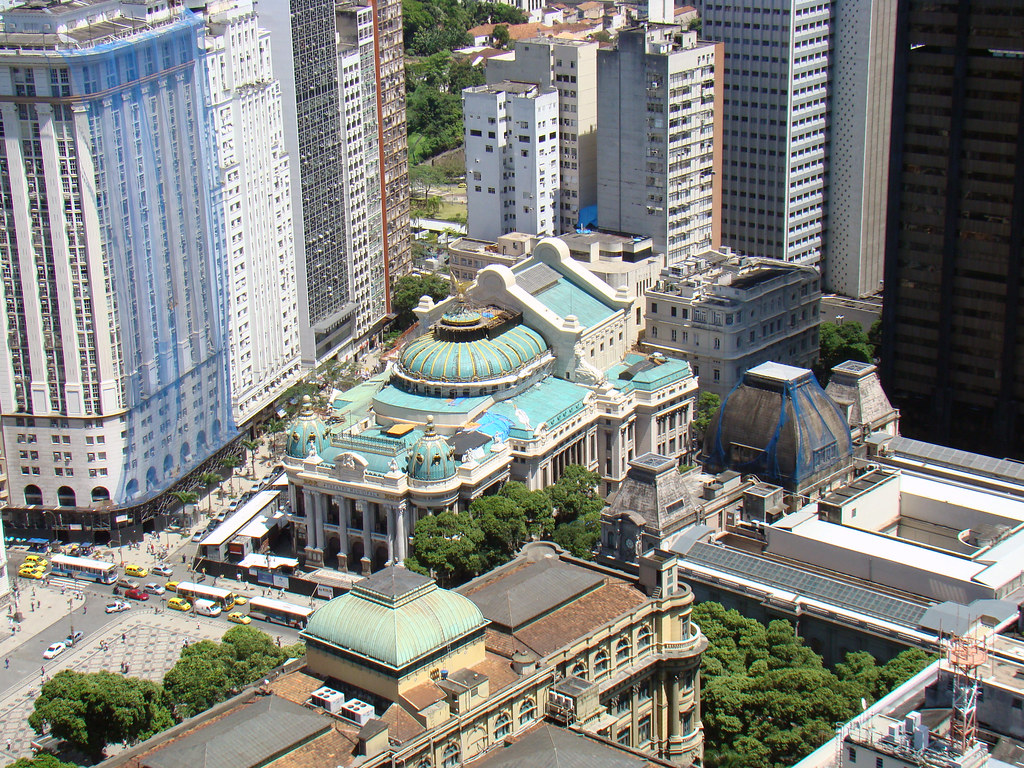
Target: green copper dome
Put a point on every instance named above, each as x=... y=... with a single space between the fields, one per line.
x=456 y=359
x=394 y=618
x=432 y=458
x=307 y=433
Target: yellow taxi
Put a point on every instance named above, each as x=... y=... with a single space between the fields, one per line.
x=35 y=560
x=239 y=618
x=179 y=604
x=136 y=570
x=241 y=599
x=31 y=573
x=171 y=586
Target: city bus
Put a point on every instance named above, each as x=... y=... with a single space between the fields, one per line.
x=99 y=571
x=279 y=612
x=223 y=597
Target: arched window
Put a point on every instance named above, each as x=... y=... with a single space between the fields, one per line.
x=643 y=640
x=99 y=493
x=65 y=497
x=132 y=487
x=579 y=669
x=602 y=664
x=502 y=726
x=451 y=756
x=168 y=464
x=527 y=712
x=424 y=763
x=622 y=650
x=33 y=496
x=186 y=454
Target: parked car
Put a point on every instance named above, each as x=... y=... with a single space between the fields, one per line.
x=73 y=639
x=179 y=604
x=198 y=535
x=55 y=650
x=35 y=560
x=136 y=594
x=154 y=588
x=239 y=618
x=32 y=573
x=117 y=606
x=162 y=569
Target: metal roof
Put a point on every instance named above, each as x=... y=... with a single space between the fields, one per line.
x=532 y=591
x=802 y=582
x=249 y=736
x=551 y=747
x=1004 y=469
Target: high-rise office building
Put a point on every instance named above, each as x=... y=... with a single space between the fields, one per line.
x=860 y=115
x=775 y=124
x=350 y=184
x=570 y=67
x=115 y=380
x=953 y=347
x=659 y=164
x=511 y=159
x=245 y=109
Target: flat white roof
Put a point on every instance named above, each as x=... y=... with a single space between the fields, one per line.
x=273 y=562
x=951 y=493
x=234 y=523
x=260 y=526
x=778 y=371
x=880 y=547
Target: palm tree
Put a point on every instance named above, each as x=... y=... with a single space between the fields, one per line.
x=185 y=497
x=252 y=446
x=208 y=479
x=231 y=463
x=273 y=427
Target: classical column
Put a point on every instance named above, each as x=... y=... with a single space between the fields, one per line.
x=673 y=706
x=403 y=532
x=392 y=532
x=343 y=518
x=321 y=518
x=311 y=507
x=367 y=509
x=634 y=720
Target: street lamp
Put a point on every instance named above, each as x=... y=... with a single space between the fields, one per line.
x=71 y=617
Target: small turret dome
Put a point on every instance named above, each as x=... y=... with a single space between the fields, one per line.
x=308 y=434
x=432 y=457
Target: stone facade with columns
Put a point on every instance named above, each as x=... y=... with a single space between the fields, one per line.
x=522 y=374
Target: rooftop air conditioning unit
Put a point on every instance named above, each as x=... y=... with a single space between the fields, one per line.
x=359 y=712
x=328 y=699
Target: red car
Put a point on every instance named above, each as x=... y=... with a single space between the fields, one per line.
x=136 y=594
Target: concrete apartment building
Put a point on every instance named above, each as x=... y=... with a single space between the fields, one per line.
x=570 y=67
x=349 y=186
x=953 y=352
x=659 y=168
x=245 y=106
x=776 y=83
x=725 y=314
x=116 y=376
x=511 y=159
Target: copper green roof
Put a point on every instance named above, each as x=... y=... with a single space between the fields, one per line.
x=394 y=618
x=432 y=458
x=436 y=359
x=307 y=433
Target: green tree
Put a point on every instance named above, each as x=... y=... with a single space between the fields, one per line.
x=504 y=525
x=839 y=343
x=210 y=479
x=92 y=710
x=425 y=178
x=196 y=682
x=536 y=505
x=601 y=36
x=408 y=291
x=447 y=546
x=42 y=760
x=707 y=404
x=272 y=428
x=251 y=446
x=185 y=497
x=500 y=36
x=250 y=654
x=231 y=463
x=575 y=494
x=581 y=535
x=875 y=338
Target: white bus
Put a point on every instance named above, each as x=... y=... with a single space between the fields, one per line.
x=223 y=597
x=83 y=568
x=279 y=612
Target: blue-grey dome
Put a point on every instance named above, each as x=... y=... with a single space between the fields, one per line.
x=307 y=433
x=432 y=457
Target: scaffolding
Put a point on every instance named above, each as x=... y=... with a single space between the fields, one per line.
x=965 y=656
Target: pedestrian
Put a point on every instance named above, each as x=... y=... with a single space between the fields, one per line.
x=84 y=610
x=42 y=670
x=8 y=745
x=7 y=663
x=124 y=638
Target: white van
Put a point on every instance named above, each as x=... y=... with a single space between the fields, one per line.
x=207 y=608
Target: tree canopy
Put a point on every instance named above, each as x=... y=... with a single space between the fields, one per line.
x=408 y=291
x=839 y=343
x=43 y=760
x=447 y=546
x=769 y=700
x=92 y=710
x=209 y=672
x=707 y=404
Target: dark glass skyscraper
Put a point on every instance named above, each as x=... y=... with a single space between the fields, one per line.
x=953 y=357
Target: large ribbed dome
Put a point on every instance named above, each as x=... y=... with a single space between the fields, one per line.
x=450 y=353
x=395 y=617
